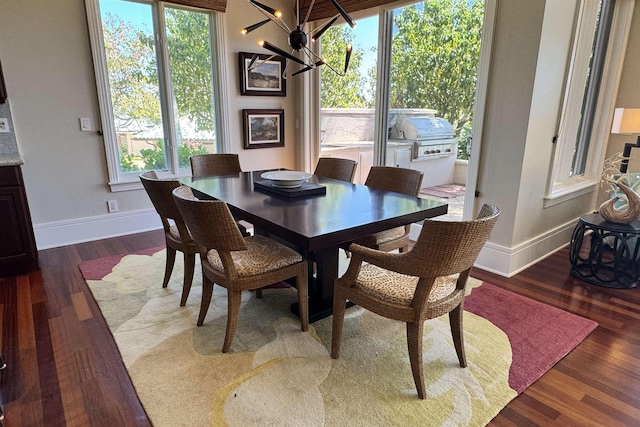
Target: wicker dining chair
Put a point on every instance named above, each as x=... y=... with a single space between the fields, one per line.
x=176 y=234
x=423 y=283
x=336 y=168
x=400 y=180
x=215 y=164
x=235 y=262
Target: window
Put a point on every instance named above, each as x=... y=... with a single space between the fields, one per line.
x=158 y=86
x=421 y=70
x=600 y=32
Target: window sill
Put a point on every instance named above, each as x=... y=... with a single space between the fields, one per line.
x=569 y=192
x=135 y=184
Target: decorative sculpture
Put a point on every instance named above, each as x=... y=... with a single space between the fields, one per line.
x=630 y=210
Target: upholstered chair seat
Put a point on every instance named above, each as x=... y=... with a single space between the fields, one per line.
x=262 y=255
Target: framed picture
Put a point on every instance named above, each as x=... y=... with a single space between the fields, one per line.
x=262 y=74
x=263 y=128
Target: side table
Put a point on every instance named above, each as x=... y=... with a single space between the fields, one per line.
x=605 y=253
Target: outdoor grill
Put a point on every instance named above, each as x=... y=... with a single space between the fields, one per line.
x=432 y=137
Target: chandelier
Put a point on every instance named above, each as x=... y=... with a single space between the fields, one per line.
x=298 y=39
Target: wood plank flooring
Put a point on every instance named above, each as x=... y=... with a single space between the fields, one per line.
x=63 y=367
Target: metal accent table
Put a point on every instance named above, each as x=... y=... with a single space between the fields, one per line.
x=605 y=253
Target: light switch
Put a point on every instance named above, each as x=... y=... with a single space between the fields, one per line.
x=4 y=125
x=85 y=124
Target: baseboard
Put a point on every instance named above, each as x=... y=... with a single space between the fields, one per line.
x=508 y=262
x=79 y=230
x=494 y=258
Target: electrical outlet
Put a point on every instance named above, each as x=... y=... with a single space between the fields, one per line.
x=112 y=205
x=4 y=125
x=85 y=124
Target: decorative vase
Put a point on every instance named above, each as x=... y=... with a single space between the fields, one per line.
x=625 y=215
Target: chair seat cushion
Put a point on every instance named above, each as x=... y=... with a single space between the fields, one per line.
x=173 y=230
x=382 y=237
x=262 y=255
x=399 y=288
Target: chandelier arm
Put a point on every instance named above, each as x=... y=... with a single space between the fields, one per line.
x=247 y=30
x=279 y=51
x=286 y=67
x=344 y=13
x=347 y=58
x=308 y=67
x=280 y=23
x=318 y=32
x=311 y=55
x=263 y=7
x=256 y=62
x=334 y=70
x=306 y=18
x=272 y=14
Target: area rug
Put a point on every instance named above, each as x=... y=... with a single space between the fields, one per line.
x=276 y=375
x=446 y=191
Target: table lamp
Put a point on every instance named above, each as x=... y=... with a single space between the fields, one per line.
x=626 y=121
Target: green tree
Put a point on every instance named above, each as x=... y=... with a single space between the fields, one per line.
x=190 y=63
x=126 y=160
x=188 y=149
x=348 y=91
x=134 y=92
x=435 y=55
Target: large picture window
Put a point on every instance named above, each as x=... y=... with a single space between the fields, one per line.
x=157 y=82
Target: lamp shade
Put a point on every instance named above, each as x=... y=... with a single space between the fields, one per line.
x=626 y=120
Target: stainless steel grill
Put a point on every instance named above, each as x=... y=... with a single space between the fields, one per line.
x=432 y=137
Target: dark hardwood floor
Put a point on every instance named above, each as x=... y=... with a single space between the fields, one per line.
x=63 y=367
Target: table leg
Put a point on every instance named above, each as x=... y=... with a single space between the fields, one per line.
x=321 y=284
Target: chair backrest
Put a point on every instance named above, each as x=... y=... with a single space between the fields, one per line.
x=336 y=168
x=159 y=191
x=449 y=247
x=215 y=164
x=400 y=180
x=209 y=221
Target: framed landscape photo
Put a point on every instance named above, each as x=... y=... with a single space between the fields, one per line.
x=262 y=74
x=263 y=128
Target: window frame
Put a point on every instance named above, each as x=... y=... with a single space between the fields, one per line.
x=119 y=181
x=562 y=186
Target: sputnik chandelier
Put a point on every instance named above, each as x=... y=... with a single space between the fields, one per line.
x=298 y=39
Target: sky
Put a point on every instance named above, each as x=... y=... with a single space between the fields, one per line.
x=366 y=37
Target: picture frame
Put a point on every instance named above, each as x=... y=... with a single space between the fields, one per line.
x=266 y=78
x=263 y=128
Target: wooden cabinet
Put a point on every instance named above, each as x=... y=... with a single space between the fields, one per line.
x=18 y=253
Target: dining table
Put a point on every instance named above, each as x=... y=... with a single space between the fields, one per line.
x=316 y=223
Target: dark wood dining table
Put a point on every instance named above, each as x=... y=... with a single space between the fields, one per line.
x=316 y=225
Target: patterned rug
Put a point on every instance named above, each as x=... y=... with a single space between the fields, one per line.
x=276 y=375
x=446 y=191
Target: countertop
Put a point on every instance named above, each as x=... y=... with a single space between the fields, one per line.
x=10 y=159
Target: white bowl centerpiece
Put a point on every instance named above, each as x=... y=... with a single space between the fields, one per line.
x=286 y=178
